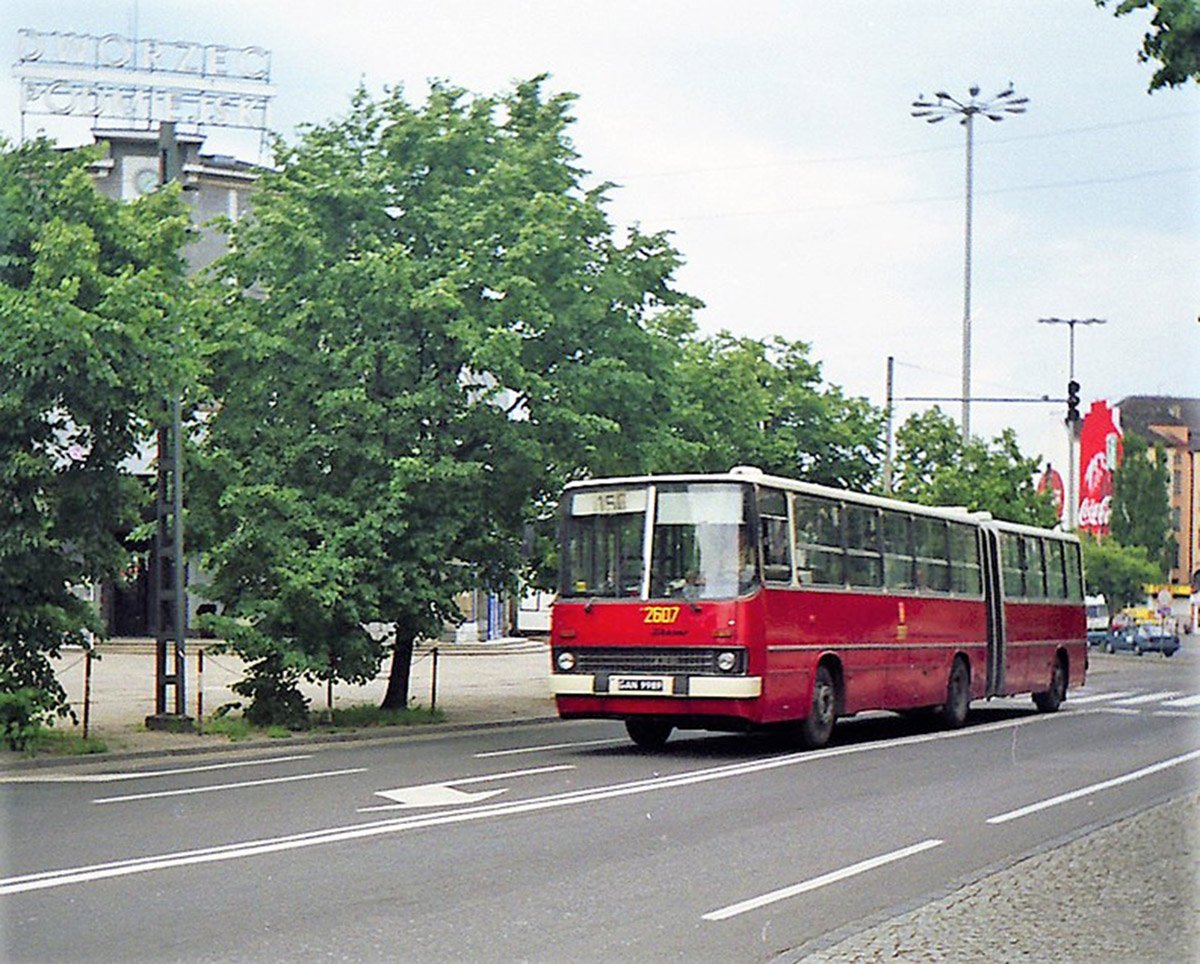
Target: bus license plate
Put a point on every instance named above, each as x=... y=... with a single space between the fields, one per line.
x=639 y=684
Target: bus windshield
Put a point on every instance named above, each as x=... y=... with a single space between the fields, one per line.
x=701 y=546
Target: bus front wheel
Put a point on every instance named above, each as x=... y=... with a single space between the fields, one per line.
x=648 y=734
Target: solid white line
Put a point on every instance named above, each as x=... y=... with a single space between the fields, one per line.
x=144 y=774
x=487 y=777
x=228 y=786
x=1094 y=788
x=1117 y=711
x=1147 y=698
x=137 y=865
x=1096 y=697
x=545 y=746
x=1186 y=701
x=825 y=879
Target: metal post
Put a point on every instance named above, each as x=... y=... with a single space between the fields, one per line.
x=169 y=603
x=934 y=112
x=87 y=691
x=199 y=689
x=966 y=325
x=1071 y=515
x=887 y=457
x=433 y=682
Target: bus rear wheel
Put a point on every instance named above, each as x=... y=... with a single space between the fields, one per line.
x=1051 y=699
x=958 y=695
x=649 y=734
x=817 y=727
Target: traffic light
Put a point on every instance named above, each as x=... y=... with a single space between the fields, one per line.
x=1072 y=401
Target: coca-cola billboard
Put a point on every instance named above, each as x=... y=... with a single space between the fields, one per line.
x=1052 y=482
x=1099 y=454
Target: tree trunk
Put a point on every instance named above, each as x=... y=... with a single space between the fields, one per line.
x=396 y=697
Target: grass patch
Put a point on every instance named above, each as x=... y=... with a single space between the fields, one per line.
x=51 y=742
x=236 y=728
x=368 y=714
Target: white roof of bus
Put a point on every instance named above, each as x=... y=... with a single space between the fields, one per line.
x=750 y=474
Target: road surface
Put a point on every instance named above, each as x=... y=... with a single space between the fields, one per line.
x=563 y=842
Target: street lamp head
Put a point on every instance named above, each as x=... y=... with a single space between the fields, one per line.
x=975 y=91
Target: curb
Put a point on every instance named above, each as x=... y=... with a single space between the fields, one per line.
x=382 y=734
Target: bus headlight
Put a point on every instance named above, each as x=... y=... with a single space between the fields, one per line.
x=565 y=661
x=726 y=661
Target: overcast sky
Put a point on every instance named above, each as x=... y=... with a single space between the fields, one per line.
x=775 y=140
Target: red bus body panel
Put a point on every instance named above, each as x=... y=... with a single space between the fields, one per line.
x=894 y=651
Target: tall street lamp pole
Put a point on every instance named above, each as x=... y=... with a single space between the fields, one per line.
x=934 y=112
x=1072 y=419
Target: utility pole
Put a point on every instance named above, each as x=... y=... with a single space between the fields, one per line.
x=169 y=601
x=887 y=456
x=1072 y=421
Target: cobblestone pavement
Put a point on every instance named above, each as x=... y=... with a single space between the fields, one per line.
x=1126 y=893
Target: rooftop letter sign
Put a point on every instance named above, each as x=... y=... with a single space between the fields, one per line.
x=116 y=78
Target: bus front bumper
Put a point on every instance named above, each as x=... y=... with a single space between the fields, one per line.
x=639 y=684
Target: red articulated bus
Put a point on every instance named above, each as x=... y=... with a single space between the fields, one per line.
x=741 y=601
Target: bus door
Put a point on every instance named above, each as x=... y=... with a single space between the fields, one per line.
x=989 y=544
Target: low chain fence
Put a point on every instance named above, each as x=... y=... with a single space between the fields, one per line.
x=114 y=682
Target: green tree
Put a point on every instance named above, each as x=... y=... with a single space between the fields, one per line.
x=426 y=328
x=1116 y=571
x=1141 y=504
x=763 y=403
x=933 y=466
x=1173 y=40
x=91 y=295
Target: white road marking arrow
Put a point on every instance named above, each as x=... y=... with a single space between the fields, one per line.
x=445 y=795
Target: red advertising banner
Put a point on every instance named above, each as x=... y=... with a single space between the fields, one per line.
x=1052 y=479
x=1099 y=454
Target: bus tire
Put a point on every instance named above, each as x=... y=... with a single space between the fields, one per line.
x=649 y=734
x=817 y=727
x=1050 y=700
x=953 y=712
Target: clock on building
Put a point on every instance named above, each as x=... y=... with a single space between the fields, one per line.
x=145 y=180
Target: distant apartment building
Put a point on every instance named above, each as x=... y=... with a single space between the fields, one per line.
x=215 y=185
x=1174 y=424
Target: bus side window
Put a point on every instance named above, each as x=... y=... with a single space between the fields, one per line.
x=1056 y=582
x=933 y=554
x=1035 y=567
x=818 y=541
x=1074 y=573
x=965 y=577
x=776 y=542
x=1014 y=570
x=897 y=550
x=864 y=561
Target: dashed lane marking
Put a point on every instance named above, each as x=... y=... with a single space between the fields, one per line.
x=185 y=791
x=1094 y=788
x=144 y=774
x=824 y=880
x=1187 y=701
x=1147 y=698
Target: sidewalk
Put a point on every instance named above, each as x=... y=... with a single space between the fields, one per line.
x=493 y=682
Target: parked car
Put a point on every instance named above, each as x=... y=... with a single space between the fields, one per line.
x=1142 y=639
